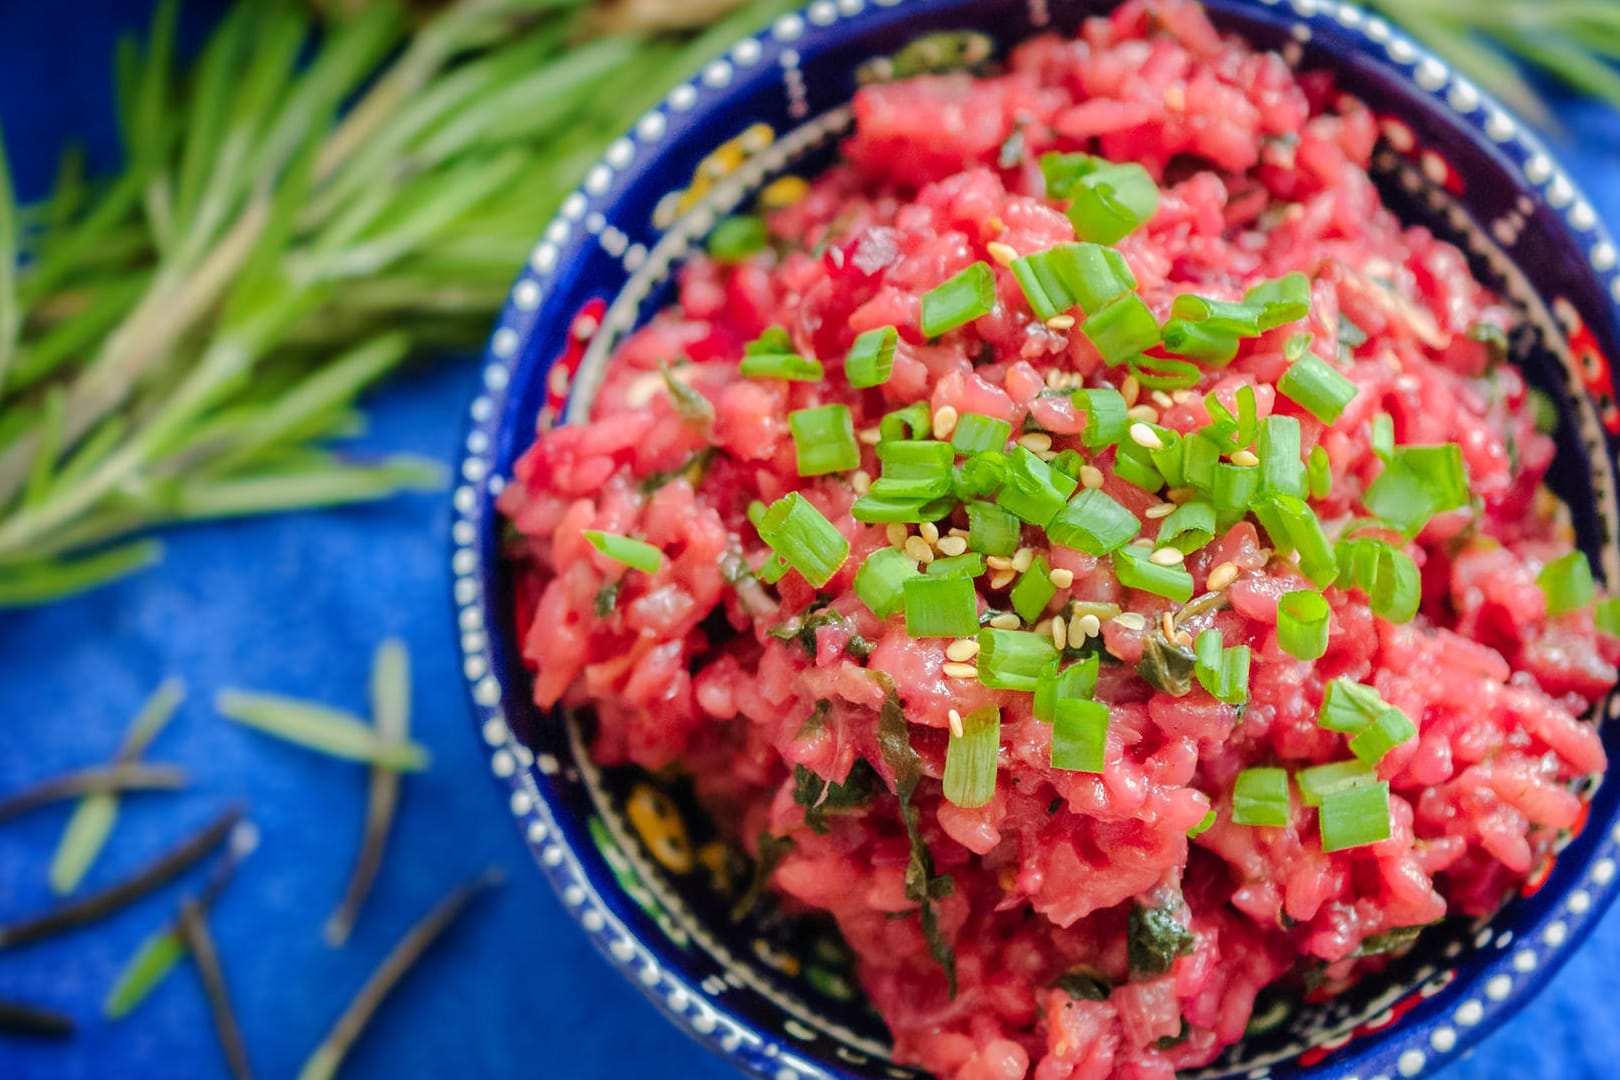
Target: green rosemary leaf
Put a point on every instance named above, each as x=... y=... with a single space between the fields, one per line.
x=27 y=584
x=10 y=316
x=319 y=727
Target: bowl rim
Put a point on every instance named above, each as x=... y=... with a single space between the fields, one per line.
x=1521 y=967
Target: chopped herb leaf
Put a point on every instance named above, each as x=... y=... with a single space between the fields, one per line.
x=820 y=798
x=772 y=849
x=1084 y=984
x=1390 y=941
x=690 y=405
x=922 y=887
x=1167 y=666
x=1157 y=938
x=607 y=598
x=816 y=722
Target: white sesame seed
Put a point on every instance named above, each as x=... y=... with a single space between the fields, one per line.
x=1061 y=577
x=962 y=650
x=1181 y=397
x=1060 y=633
x=1022 y=559
x=896 y=533
x=998 y=562
x=1181 y=495
x=860 y=481
x=961 y=671
x=1144 y=436
x=918 y=549
x=1130 y=390
x=1245 y=457
x=1047 y=455
x=1061 y=322
x=1167 y=625
x=1090 y=626
x=870 y=436
x=1036 y=441
x=1005 y=621
x=1043 y=628
x=1167 y=556
x=1131 y=620
x=1091 y=477
x=955 y=719
x=1162 y=399
x=945 y=418
x=1145 y=413
x=929 y=532
x=1222 y=576
x=1159 y=510
x=963 y=533
x=1001 y=579
x=1002 y=253
x=951 y=545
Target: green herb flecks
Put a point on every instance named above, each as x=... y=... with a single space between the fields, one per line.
x=821 y=799
x=1084 y=984
x=922 y=886
x=1157 y=938
x=772 y=850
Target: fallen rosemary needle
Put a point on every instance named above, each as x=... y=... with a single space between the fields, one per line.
x=163 y=948
x=391 y=715
x=328 y=1056
x=19 y=1019
x=171 y=864
x=194 y=932
x=93 y=819
x=320 y=727
x=103 y=780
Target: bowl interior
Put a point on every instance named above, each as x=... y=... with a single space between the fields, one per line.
x=649 y=876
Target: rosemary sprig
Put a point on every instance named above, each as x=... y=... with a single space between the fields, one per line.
x=319 y=727
x=100 y=781
x=194 y=932
x=33 y=1021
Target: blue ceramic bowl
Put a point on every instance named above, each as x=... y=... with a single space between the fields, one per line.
x=644 y=872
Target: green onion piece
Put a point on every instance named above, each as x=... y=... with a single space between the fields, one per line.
x=975 y=434
x=633 y=553
x=1093 y=523
x=824 y=438
x=1013 y=659
x=1063 y=276
x=1170 y=461
x=1348 y=707
x=1231 y=433
x=1134 y=465
x=1282 y=301
x=1189 y=527
x=737 y=237
x=1033 y=591
x=1297 y=345
x=1136 y=571
x=1389 y=577
x=915 y=421
x=804 y=538
x=1235 y=486
x=1567 y=583
x=756 y=513
x=1034 y=490
x=1355 y=816
x=1202 y=827
x=971 y=759
x=1235 y=680
x=1302 y=624
x=1294 y=526
x=1260 y=797
x=1163 y=373
x=1319 y=473
x=1078 y=680
x=1416 y=483
x=1320 y=780
x=789 y=366
x=940 y=606
x=871 y=357
x=1123 y=330
x=1068 y=462
x=1225 y=316
x=881 y=580
x=1199 y=456
x=969 y=564
x=959 y=300
x=1080 y=736
x=1222 y=672
x=1606 y=616
x=1201 y=342
x=914 y=469
x=981 y=474
x=1106 y=419
x=873 y=510
x=1109 y=200
x=1281 y=469
x=1207 y=665
x=1312 y=383
x=1383 y=436
x=1545 y=410
x=773 y=569
x=992 y=530
x=1388 y=729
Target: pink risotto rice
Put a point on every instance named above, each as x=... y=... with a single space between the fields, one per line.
x=1088 y=934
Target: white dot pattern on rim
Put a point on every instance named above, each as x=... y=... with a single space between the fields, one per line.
x=512 y=761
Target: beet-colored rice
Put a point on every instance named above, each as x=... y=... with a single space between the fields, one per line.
x=1263 y=171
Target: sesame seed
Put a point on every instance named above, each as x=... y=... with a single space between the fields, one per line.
x=1001 y=579
x=1222 y=576
x=1245 y=457
x=1022 y=559
x=870 y=436
x=955 y=719
x=963 y=533
x=1144 y=436
x=1167 y=624
x=1044 y=627
x=1091 y=477
x=860 y=481
x=1145 y=413
x=1130 y=390
x=1061 y=578
x=996 y=224
x=952 y=545
x=1181 y=397
x=1036 y=441
x=1183 y=638
x=1167 y=556
x=1159 y=510
x=1090 y=626
x=929 y=532
x=1054 y=378
x=1002 y=253
x=918 y=549
x=945 y=418
x=998 y=562
x=1131 y=620
x=1181 y=495
x=1047 y=455
x=962 y=650
x=897 y=533
x=1061 y=322
x=1006 y=620
x=961 y=671
x=1162 y=399
x=1060 y=633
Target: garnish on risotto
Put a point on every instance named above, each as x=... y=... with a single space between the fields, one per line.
x=1093 y=547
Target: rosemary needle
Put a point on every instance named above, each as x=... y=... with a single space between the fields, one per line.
x=102 y=780
x=194 y=932
x=19 y=1019
x=319 y=727
x=323 y=1063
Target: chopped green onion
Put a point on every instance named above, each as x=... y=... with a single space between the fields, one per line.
x=1235 y=486
x=971 y=759
x=959 y=300
x=915 y=421
x=914 y=469
x=1389 y=577
x=1013 y=659
x=992 y=530
x=1200 y=341
x=1302 y=624
x=1033 y=591
x=1136 y=571
x=1282 y=301
x=1297 y=345
x=1202 y=827
x=1093 y=523
x=1545 y=410
x=1068 y=462
x=1075 y=681
x=824 y=439
x=1260 y=797
x=1134 y=465
x=1034 y=490
x=975 y=434
x=1080 y=736
x=1388 y=729
x=1418 y=482
x=1222 y=672
x=1063 y=276
x=881 y=580
x=790 y=366
x=1294 y=526
x=874 y=510
x=772 y=570
x=1355 y=816
x=1109 y=200
x=1188 y=527
x=737 y=237
x=804 y=538
x=1567 y=583
x=1171 y=460
x=1383 y=435
x=871 y=357
x=1348 y=707
x=1319 y=473
x=1320 y=780
x=1123 y=330
x=1106 y=419
x=969 y=564
x=1199 y=456
x=1606 y=616
x=940 y=606
x=1207 y=664
x=633 y=553
x=1225 y=316
x=1281 y=469
x=1312 y=383
x=756 y=513
x=981 y=474
x=1231 y=433
x=1163 y=373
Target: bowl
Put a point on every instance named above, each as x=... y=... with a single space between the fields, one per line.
x=630 y=856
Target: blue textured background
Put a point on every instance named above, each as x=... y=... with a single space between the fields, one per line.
x=296 y=605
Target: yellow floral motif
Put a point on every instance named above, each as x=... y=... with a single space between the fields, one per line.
x=724 y=160
x=786 y=963
x=659 y=824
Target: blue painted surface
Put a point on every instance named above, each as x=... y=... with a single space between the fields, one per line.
x=296 y=605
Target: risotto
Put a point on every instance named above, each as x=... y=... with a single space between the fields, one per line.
x=1086 y=545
